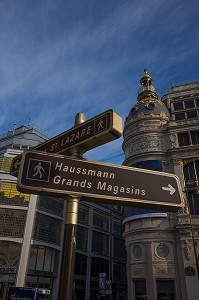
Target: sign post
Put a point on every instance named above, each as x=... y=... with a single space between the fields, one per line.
x=69 y=246
x=83 y=136
x=53 y=174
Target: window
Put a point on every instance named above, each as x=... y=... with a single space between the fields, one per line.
x=191 y=170
x=99 y=265
x=12 y=222
x=51 y=205
x=119 y=248
x=137 y=252
x=100 y=220
x=195 y=137
x=189 y=103
x=140 y=289
x=83 y=214
x=193 y=200
x=82 y=238
x=155 y=165
x=183 y=139
x=197 y=102
x=9 y=195
x=117 y=226
x=9 y=255
x=119 y=271
x=47 y=229
x=189 y=173
x=42 y=258
x=180 y=116
x=5 y=163
x=197 y=168
x=165 y=289
x=178 y=105
x=191 y=114
x=80 y=264
x=150 y=105
x=162 y=250
x=100 y=243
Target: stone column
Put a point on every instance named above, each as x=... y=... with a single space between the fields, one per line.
x=26 y=245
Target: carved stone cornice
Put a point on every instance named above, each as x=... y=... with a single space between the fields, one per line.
x=183 y=152
x=138 y=272
x=164 y=271
x=133 y=236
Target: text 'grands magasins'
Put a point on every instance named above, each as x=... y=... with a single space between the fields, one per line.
x=88 y=178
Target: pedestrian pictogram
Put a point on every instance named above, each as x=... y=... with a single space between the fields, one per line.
x=38 y=170
x=100 y=124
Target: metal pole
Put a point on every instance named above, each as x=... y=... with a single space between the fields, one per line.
x=69 y=245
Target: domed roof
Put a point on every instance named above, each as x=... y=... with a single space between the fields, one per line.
x=142 y=109
x=148 y=103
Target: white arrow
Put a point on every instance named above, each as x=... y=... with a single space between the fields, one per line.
x=169 y=189
x=17 y=163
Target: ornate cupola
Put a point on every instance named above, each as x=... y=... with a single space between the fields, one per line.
x=147 y=92
x=148 y=104
x=145 y=126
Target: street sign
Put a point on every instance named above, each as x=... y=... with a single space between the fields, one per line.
x=53 y=174
x=21 y=293
x=97 y=131
x=102 y=281
x=26 y=293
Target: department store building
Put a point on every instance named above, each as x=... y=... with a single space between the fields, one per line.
x=163 y=248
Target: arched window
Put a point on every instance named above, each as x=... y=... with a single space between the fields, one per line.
x=191 y=178
x=189 y=173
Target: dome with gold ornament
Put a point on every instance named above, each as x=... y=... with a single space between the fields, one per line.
x=148 y=103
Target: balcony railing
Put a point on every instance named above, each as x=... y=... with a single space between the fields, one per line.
x=150 y=88
x=180 y=84
x=31 y=128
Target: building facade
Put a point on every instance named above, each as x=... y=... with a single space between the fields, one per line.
x=163 y=248
x=32 y=227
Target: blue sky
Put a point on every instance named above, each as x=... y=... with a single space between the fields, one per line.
x=60 y=57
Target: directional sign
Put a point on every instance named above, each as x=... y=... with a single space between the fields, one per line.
x=97 y=131
x=21 y=293
x=53 y=174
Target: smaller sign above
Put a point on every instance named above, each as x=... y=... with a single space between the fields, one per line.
x=88 y=135
x=57 y=175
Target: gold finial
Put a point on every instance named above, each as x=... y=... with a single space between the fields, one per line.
x=147 y=90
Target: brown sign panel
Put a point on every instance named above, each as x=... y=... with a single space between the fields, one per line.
x=97 y=131
x=52 y=174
